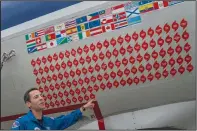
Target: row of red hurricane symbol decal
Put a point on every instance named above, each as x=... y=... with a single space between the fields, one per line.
x=74 y=76
x=134 y=37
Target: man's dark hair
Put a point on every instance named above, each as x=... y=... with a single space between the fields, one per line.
x=26 y=95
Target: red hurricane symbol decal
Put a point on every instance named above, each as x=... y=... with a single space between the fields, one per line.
x=61 y=55
x=86 y=49
x=150 y=32
x=44 y=60
x=84 y=70
x=78 y=72
x=190 y=67
x=119 y=73
x=77 y=91
x=137 y=47
x=116 y=83
x=54 y=77
x=55 y=57
x=123 y=82
x=177 y=37
x=67 y=54
x=120 y=40
x=80 y=98
x=154 y=54
x=51 y=87
x=69 y=63
x=38 y=61
x=173 y=72
x=96 y=87
x=81 y=60
x=49 y=58
x=185 y=35
x=108 y=54
x=127 y=38
x=144 y=45
x=139 y=58
x=146 y=56
x=170 y=51
x=162 y=52
x=158 y=30
x=129 y=81
x=122 y=50
x=134 y=70
x=99 y=45
x=136 y=80
x=175 y=25
x=35 y=72
x=166 y=28
x=168 y=39
x=102 y=86
x=75 y=62
x=188 y=58
x=183 y=23
x=33 y=63
x=57 y=66
x=46 y=69
x=95 y=58
x=181 y=69
x=79 y=50
x=124 y=61
x=178 y=49
x=73 y=52
x=38 y=81
x=106 y=44
x=113 y=42
x=142 y=34
x=160 y=41
x=164 y=63
x=132 y=60
x=187 y=47
x=152 y=43
x=172 y=62
x=129 y=49
x=92 y=47
x=63 y=65
x=158 y=75
x=115 y=52
x=106 y=76
x=165 y=73
x=109 y=84
x=143 y=78
x=156 y=65
x=135 y=36
x=148 y=67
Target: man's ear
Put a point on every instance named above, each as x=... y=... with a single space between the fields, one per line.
x=28 y=104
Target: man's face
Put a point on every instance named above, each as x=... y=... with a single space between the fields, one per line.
x=36 y=100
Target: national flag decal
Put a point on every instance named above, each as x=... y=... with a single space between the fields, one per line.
x=100 y=21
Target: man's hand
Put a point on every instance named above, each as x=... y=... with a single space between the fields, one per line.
x=90 y=105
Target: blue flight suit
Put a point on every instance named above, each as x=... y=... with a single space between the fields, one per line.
x=29 y=122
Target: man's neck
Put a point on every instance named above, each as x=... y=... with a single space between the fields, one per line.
x=37 y=114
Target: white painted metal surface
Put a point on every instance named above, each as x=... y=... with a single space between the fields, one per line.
x=178 y=115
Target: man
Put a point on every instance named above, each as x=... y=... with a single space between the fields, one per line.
x=35 y=120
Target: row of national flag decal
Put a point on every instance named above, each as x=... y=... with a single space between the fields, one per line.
x=96 y=23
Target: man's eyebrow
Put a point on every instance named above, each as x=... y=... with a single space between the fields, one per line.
x=36 y=95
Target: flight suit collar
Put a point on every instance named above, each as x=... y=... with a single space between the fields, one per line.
x=32 y=117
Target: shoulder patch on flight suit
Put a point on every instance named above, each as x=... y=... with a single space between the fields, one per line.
x=52 y=118
x=36 y=128
x=15 y=124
